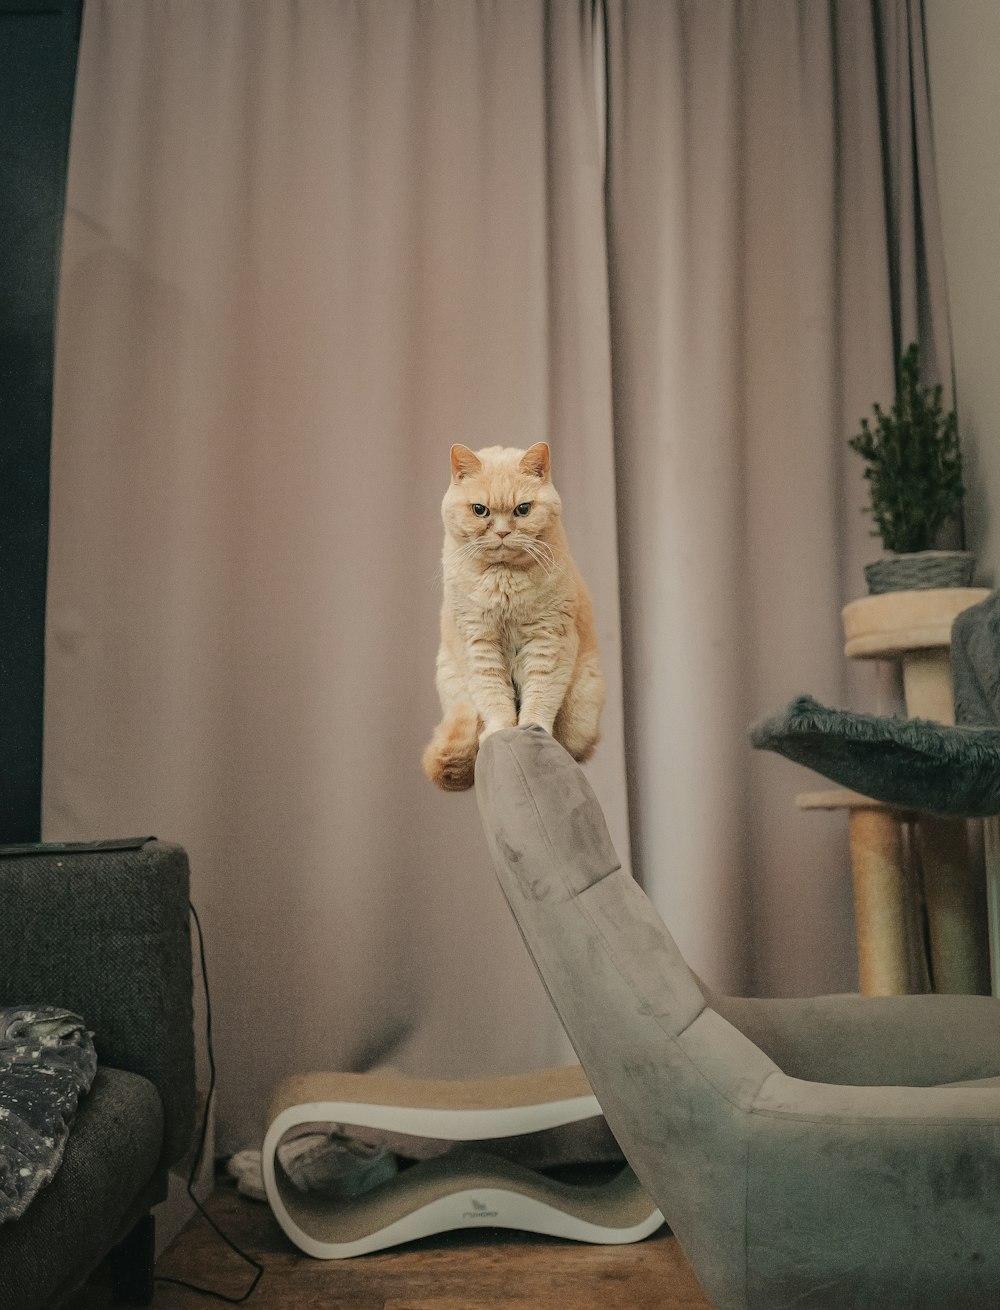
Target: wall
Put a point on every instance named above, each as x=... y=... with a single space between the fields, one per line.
x=963 y=41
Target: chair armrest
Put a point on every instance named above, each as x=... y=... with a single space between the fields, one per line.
x=106 y=934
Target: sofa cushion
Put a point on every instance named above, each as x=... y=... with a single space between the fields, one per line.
x=111 y=1157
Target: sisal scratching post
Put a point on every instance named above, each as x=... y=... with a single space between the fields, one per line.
x=883 y=912
x=880 y=902
x=927 y=685
x=991 y=850
x=954 y=898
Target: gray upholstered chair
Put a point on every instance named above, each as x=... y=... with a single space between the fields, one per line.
x=834 y=1152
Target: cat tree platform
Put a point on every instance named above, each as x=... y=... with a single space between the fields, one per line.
x=462 y=1188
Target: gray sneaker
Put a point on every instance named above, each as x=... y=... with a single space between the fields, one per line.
x=334 y=1164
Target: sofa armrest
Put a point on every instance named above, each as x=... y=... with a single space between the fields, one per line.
x=106 y=934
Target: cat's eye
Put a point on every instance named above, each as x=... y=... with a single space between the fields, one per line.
x=523 y=508
x=480 y=511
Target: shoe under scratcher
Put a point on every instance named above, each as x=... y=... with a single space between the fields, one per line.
x=328 y=1163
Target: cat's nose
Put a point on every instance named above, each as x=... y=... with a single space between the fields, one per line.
x=501 y=535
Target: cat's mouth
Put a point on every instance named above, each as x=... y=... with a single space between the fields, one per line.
x=505 y=550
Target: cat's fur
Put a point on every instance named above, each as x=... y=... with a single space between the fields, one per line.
x=517 y=623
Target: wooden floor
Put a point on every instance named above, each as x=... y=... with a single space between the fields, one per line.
x=461 y=1271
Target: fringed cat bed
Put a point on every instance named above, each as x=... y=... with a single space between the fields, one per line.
x=462 y=1188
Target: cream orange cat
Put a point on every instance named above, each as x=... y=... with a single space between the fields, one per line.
x=517 y=624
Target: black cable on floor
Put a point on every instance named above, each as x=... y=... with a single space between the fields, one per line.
x=199 y=1153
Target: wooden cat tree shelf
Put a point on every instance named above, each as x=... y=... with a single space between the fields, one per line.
x=463 y=1188
x=912 y=628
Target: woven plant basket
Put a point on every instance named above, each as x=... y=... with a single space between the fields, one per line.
x=921 y=571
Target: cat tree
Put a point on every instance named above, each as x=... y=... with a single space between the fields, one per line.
x=913 y=629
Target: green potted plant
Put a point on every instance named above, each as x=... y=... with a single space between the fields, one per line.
x=914 y=473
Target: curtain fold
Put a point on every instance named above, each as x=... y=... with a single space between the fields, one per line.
x=918 y=288
x=310 y=245
x=759 y=281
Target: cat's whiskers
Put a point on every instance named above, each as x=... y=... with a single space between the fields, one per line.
x=476 y=549
x=482 y=550
x=541 y=552
x=462 y=553
x=547 y=553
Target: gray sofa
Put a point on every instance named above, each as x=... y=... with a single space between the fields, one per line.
x=105 y=933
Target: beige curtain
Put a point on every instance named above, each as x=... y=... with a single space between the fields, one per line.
x=771 y=238
x=308 y=246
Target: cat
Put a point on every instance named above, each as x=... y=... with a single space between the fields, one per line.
x=517 y=623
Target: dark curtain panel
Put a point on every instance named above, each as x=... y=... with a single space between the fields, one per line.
x=38 y=45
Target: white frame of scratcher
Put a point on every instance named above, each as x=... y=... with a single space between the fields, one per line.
x=463 y=1189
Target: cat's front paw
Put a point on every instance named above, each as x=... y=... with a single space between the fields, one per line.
x=532 y=721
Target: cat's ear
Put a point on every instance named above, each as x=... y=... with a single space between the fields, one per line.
x=536 y=461
x=464 y=462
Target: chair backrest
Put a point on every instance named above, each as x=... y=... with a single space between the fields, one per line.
x=675 y=1080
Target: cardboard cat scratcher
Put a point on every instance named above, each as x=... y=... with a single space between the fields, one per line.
x=465 y=1187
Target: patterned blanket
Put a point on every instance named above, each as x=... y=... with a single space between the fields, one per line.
x=47 y=1061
